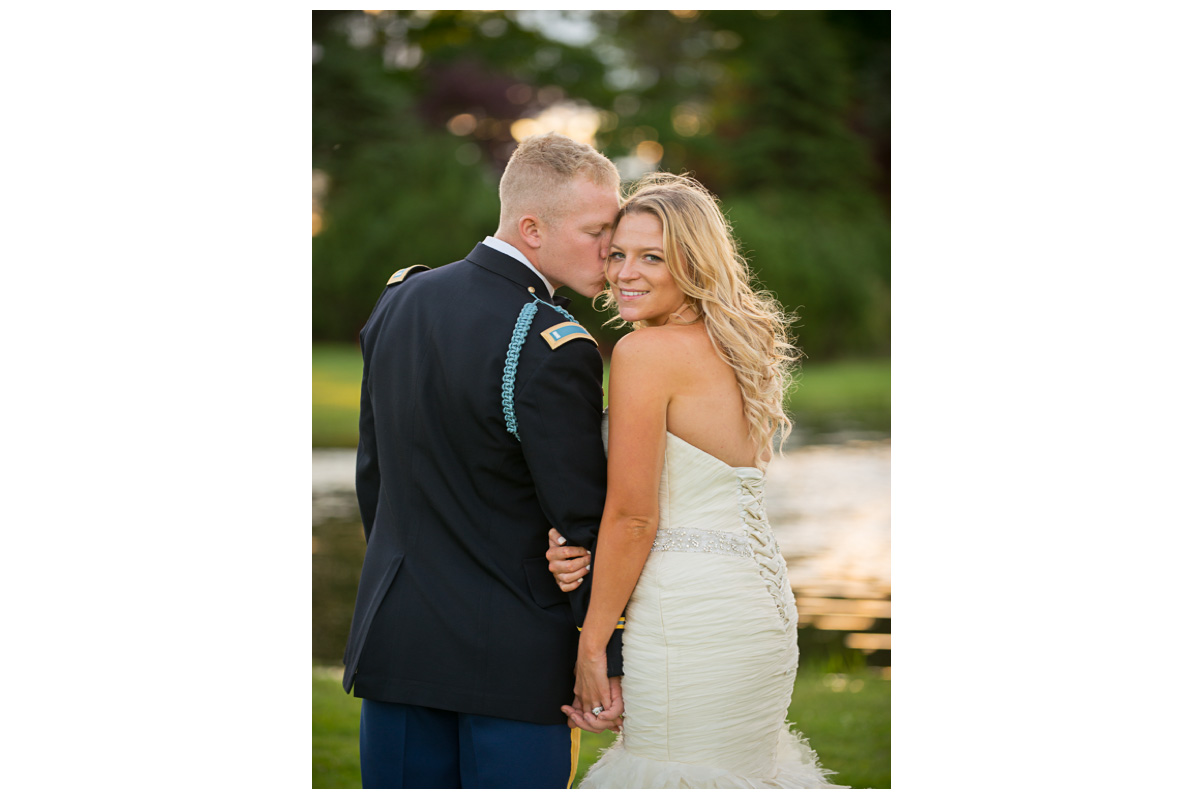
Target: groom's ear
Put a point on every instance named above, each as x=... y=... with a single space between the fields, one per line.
x=530 y=229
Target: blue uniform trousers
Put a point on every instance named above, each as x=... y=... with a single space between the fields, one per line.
x=413 y=747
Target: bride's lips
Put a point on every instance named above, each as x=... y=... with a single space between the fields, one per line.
x=630 y=294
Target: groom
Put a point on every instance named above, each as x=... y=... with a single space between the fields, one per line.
x=479 y=430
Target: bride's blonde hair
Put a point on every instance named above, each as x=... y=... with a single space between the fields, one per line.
x=747 y=327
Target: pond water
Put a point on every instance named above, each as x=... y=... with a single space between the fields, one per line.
x=829 y=505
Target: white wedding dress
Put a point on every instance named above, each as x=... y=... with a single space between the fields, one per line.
x=709 y=644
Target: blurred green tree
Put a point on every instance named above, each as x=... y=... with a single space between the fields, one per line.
x=784 y=114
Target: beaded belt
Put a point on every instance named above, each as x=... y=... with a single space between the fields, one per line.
x=697 y=540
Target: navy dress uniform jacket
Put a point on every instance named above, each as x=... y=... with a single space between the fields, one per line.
x=456 y=607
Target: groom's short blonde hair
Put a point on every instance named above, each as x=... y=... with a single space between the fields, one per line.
x=538 y=176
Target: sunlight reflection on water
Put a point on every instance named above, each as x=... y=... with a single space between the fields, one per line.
x=830 y=508
x=829 y=505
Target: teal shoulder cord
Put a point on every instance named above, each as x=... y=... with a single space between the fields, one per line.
x=524 y=320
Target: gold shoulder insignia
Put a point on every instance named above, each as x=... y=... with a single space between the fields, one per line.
x=400 y=274
x=564 y=332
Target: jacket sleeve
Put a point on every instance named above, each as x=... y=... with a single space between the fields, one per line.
x=558 y=408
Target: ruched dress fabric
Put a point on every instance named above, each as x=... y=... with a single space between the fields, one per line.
x=709 y=644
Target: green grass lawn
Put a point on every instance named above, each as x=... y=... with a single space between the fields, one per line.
x=336 y=382
x=827 y=396
x=849 y=395
x=847 y=719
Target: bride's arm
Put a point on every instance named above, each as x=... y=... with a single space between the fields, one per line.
x=640 y=388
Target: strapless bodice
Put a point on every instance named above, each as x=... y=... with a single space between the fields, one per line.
x=708 y=506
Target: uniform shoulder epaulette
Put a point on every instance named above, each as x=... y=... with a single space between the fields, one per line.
x=399 y=275
x=564 y=332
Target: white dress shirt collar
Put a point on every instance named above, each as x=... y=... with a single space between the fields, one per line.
x=509 y=250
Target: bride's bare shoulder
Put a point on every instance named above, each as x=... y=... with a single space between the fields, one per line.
x=663 y=360
x=662 y=344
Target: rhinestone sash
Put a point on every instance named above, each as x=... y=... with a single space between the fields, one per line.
x=696 y=540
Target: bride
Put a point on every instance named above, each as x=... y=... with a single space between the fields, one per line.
x=685 y=552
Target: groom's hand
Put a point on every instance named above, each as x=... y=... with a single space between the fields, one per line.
x=569 y=565
x=609 y=719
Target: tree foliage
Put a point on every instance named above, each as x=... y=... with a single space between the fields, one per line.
x=785 y=115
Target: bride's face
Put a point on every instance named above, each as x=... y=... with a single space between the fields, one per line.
x=637 y=270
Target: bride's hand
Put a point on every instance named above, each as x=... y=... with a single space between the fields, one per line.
x=568 y=564
x=609 y=719
x=592 y=688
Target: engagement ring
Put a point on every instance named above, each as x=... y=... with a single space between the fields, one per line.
x=597 y=710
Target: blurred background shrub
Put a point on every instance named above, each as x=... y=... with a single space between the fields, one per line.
x=785 y=115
